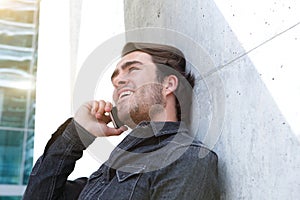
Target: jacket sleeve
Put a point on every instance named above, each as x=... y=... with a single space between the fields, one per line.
x=196 y=179
x=48 y=179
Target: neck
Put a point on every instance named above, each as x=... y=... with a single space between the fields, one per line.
x=158 y=113
x=163 y=113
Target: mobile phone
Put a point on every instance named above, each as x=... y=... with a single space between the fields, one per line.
x=114 y=118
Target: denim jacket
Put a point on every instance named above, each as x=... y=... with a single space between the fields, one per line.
x=157 y=160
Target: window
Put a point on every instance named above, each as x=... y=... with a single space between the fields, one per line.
x=18 y=55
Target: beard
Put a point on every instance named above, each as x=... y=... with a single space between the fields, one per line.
x=144 y=104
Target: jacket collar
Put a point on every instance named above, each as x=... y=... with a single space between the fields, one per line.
x=150 y=128
x=150 y=145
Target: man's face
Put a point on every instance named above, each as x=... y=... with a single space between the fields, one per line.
x=136 y=88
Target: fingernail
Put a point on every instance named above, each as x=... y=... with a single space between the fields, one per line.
x=124 y=128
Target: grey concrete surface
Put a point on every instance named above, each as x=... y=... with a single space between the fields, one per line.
x=258 y=151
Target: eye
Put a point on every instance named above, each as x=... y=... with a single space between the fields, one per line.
x=132 y=69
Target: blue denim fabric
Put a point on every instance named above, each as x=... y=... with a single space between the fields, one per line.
x=157 y=160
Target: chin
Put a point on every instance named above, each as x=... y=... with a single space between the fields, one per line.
x=128 y=115
x=123 y=113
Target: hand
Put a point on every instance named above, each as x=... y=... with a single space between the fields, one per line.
x=92 y=116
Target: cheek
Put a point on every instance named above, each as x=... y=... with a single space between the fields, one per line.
x=144 y=84
x=115 y=96
x=145 y=78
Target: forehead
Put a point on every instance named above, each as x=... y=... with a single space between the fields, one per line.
x=135 y=56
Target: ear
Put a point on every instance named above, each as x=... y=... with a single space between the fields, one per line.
x=170 y=84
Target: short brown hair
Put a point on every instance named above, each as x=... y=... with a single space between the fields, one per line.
x=174 y=59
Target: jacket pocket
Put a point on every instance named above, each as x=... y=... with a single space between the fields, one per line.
x=128 y=171
x=123 y=186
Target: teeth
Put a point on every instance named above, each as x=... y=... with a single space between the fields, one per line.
x=125 y=93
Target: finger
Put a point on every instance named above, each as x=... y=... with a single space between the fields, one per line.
x=108 y=106
x=113 y=131
x=100 y=111
x=95 y=107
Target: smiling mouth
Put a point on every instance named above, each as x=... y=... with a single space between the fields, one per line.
x=125 y=94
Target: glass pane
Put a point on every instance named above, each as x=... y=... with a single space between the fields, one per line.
x=21 y=65
x=28 y=156
x=31 y=111
x=24 y=16
x=11 y=152
x=21 y=40
x=12 y=107
x=10 y=198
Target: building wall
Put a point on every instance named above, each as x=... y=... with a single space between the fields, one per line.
x=251 y=46
x=18 y=54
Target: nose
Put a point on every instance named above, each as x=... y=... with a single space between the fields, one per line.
x=120 y=80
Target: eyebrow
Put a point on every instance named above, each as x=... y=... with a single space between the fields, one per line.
x=124 y=66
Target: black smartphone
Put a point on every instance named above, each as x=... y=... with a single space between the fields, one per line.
x=114 y=118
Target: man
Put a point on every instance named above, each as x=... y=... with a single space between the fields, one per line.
x=159 y=159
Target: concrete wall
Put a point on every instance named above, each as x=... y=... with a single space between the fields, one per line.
x=252 y=45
